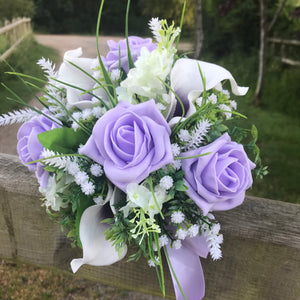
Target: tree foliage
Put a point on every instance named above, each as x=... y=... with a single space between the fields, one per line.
x=78 y=16
x=10 y=9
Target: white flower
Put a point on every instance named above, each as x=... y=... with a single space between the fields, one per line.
x=88 y=188
x=215 y=229
x=175 y=150
x=177 y=164
x=186 y=80
x=181 y=233
x=177 y=217
x=193 y=230
x=151 y=263
x=115 y=74
x=77 y=115
x=81 y=177
x=226 y=110
x=163 y=240
x=73 y=168
x=184 y=135
x=226 y=92
x=71 y=75
x=140 y=196
x=160 y=106
x=166 y=182
x=210 y=216
x=53 y=191
x=176 y=244
x=150 y=69
x=233 y=104
x=213 y=98
x=97 y=250
x=199 y=101
x=75 y=126
x=86 y=113
x=98 y=112
x=96 y=170
x=124 y=94
x=99 y=200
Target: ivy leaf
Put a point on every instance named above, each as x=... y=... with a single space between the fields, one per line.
x=63 y=140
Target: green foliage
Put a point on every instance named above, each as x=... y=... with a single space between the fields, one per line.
x=23 y=60
x=76 y=16
x=171 y=11
x=230 y=28
x=63 y=140
x=16 y=8
x=4 y=45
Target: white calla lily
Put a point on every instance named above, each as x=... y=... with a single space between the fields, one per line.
x=71 y=75
x=187 y=83
x=97 y=251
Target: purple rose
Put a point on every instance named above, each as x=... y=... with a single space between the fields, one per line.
x=218 y=181
x=30 y=149
x=130 y=141
x=135 y=43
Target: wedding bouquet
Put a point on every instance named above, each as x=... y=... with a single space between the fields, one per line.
x=137 y=149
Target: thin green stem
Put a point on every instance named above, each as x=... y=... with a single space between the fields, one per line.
x=160 y=264
x=153 y=194
x=129 y=56
x=194 y=156
x=103 y=69
x=181 y=23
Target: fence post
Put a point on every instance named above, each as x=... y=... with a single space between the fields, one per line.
x=15 y=33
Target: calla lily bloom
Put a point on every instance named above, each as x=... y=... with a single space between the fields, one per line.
x=187 y=83
x=97 y=251
x=74 y=76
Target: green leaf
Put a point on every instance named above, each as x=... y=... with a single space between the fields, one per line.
x=180 y=186
x=254 y=133
x=63 y=140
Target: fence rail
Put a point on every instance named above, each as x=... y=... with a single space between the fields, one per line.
x=284 y=43
x=261 y=256
x=12 y=35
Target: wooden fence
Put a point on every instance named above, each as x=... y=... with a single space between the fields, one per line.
x=261 y=250
x=13 y=34
x=284 y=44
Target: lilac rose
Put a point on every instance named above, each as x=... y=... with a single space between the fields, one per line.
x=115 y=48
x=218 y=181
x=130 y=141
x=30 y=149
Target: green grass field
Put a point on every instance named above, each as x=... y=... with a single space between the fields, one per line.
x=23 y=60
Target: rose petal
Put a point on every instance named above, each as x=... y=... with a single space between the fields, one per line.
x=97 y=251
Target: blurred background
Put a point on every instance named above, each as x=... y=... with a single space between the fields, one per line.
x=258 y=41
